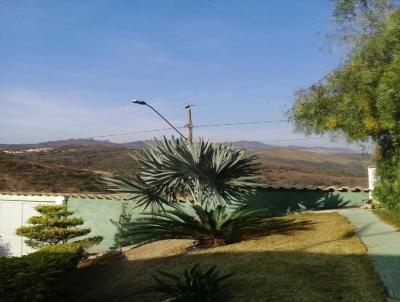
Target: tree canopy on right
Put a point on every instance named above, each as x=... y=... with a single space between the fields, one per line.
x=360 y=99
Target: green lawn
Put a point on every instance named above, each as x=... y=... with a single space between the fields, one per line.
x=320 y=260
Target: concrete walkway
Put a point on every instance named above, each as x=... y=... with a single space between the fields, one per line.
x=383 y=243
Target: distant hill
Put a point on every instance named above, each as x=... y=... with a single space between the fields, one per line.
x=136 y=144
x=283 y=166
x=58 y=143
x=255 y=145
x=19 y=175
x=326 y=150
x=97 y=158
x=75 y=165
x=250 y=145
x=82 y=141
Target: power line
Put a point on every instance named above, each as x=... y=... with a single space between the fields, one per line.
x=239 y=123
x=181 y=127
x=217 y=125
x=220 y=125
x=129 y=133
x=206 y=126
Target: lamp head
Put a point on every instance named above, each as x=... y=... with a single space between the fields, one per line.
x=139 y=102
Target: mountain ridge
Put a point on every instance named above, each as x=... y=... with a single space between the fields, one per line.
x=140 y=144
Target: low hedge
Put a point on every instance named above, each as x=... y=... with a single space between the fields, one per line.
x=38 y=276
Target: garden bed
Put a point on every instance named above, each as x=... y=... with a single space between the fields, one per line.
x=320 y=262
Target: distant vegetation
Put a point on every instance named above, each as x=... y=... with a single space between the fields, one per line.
x=76 y=167
x=20 y=174
x=102 y=158
x=290 y=167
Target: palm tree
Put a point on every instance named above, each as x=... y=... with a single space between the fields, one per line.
x=196 y=285
x=207 y=227
x=202 y=173
x=212 y=179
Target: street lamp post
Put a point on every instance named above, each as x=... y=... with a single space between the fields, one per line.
x=152 y=108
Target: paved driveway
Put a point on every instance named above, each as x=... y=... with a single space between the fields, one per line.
x=383 y=243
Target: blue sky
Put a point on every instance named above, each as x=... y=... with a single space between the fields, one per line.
x=69 y=68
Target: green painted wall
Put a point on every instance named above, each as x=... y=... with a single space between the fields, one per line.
x=280 y=201
x=97 y=215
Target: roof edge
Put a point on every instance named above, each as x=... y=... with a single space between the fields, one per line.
x=315 y=188
x=76 y=195
x=123 y=197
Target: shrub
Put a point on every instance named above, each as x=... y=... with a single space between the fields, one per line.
x=54 y=226
x=387 y=189
x=209 y=227
x=195 y=286
x=121 y=237
x=38 y=276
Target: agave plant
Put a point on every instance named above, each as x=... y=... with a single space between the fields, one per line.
x=197 y=285
x=203 y=173
x=207 y=226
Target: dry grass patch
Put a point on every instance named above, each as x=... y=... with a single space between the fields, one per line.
x=388 y=217
x=323 y=263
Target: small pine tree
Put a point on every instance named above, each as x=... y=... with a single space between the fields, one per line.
x=120 y=237
x=54 y=226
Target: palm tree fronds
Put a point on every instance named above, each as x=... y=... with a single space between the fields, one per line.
x=204 y=172
x=207 y=226
x=196 y=285
x=138 y=190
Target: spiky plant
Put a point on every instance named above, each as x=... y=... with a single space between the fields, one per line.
x=203 y=173
x=121 y=237
x=207 y=226
x=196 y=285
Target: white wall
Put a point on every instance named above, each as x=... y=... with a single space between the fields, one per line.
x=15 y=210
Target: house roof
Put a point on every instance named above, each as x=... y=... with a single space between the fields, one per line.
x=316 y=188
x=73 y=195
x=122 y=197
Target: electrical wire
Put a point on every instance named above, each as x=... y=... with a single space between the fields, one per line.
x=181 y=127
x=292 y=139
x=239 y=123
x=206 y=126
x=130 y=133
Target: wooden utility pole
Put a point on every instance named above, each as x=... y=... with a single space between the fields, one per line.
x=190 y=124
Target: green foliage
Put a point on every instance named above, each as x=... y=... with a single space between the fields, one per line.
x=197 y=285
x=54 y=227
x=204 y=173
x=208 y=227
x=360 y=100
x=121 y=237
x=38 y=276
x=356 y=20
x=387 y=189
x=89 y=242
